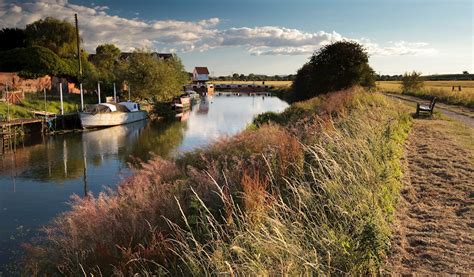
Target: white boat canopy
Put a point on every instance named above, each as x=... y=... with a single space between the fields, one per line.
x=112 y=108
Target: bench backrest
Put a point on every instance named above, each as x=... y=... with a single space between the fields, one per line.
x=432 y=104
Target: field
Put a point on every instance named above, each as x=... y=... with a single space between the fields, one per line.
x=441 y=89
x=269 y=83
x=395 y=86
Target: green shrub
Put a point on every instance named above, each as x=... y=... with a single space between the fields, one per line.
x=412 y=82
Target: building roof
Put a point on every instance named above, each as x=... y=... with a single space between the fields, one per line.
x=201 y=70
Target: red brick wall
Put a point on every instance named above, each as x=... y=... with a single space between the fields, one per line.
x=14 y=82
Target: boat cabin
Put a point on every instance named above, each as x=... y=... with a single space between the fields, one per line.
x=131 y=106
x=124 y=107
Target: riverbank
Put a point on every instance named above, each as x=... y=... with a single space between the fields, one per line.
x=313 y=191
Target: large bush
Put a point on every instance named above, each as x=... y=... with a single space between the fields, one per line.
x=412 y=82
x=33 y=62
x=334 y=67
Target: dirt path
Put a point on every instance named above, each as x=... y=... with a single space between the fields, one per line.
x=434 y=226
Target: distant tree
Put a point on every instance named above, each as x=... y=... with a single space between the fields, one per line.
x=334 y=67
x=412 y=82
x=157 y=80
x=11 y=38
x=465 y=72
x=57 y=35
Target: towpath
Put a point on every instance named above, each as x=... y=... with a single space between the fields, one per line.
x=434 y=225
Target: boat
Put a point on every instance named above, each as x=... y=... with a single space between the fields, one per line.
x=181 y=103
x=111 y=114
x=192 y=94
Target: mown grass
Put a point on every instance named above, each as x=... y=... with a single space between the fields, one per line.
x=440 y=89
x=309 y=191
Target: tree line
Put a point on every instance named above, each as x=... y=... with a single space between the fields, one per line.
x=254 y=77
x=48 y=47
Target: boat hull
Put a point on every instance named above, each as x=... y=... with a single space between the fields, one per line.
x=89 y=120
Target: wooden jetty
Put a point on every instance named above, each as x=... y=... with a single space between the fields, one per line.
x=14 y=130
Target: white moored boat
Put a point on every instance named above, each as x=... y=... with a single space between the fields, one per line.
x=111 y=114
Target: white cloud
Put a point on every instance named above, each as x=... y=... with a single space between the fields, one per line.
x=97 y=27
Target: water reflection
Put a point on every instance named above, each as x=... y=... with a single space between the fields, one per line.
x=38 y=179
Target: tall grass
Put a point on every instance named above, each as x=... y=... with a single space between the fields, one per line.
x=310 y=195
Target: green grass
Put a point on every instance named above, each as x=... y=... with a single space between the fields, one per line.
x=36 y=103
x=309 y=192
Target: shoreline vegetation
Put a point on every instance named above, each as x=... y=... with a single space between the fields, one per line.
x=310 y=190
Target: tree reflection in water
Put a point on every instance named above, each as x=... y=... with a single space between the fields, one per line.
x=66 y=157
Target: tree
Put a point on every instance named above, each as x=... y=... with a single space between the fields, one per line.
x=412 y=82
x=108 y=64
x=465 y=72
x=106 y=56
x=153 y=79
x=54 y=34
x=33 y=62
x=334 y=67
x=11 y=38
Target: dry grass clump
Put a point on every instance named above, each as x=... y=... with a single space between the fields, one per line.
x=269 y=201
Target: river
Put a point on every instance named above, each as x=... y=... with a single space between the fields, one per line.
x=37 y=181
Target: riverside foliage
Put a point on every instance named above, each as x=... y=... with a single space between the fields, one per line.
x=308 y=191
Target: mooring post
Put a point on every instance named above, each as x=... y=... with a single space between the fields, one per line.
x=98 y=90
x=115 y=94
x=45 y=107
x=8 y=104
x=61 y=97
x=82 y=97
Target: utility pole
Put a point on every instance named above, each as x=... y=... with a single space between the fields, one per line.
x=78 y=48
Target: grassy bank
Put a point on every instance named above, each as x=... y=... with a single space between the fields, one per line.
x=25 y=108
x=308 y=191
x=440 y=89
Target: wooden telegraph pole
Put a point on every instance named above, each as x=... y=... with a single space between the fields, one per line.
x=79 y=62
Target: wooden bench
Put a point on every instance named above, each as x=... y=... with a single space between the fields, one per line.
x=425 y=108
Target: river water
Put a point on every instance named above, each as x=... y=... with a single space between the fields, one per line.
x=37 y=181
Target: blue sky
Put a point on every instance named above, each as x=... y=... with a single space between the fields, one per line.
x=272 y=37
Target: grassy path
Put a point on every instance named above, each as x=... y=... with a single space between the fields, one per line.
x=435 y=220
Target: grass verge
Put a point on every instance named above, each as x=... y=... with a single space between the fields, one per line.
x=308 y=191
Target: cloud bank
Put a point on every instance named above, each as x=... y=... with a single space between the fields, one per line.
x=98 y=27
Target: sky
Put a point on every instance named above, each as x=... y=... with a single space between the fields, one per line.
x=270 y=36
